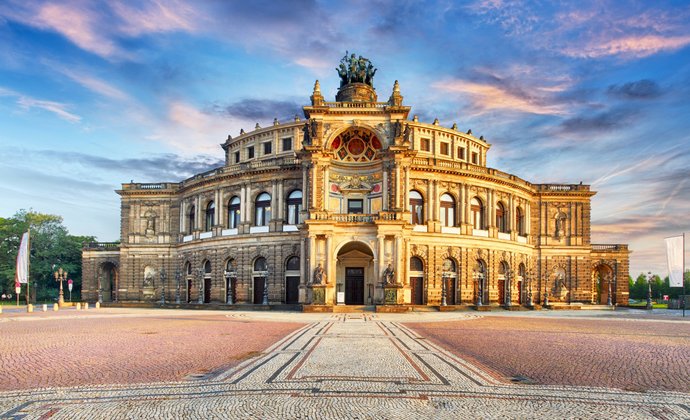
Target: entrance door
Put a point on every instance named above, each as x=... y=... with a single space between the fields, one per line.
x=450 y=291
x=189 y=291
x=501 y=292
x=207 y=290
x=258 y=290
x=354 y=286
x=291 y=289
x=417 y=290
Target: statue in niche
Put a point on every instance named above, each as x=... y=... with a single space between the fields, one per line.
x=148 y=277
x=561 y=290
x=559 y=222
x=150 y=223
x=319 y=275
x=388 y=275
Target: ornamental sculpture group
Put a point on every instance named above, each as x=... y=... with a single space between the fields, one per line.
x=355 y=70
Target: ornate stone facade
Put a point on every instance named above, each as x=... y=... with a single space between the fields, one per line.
x=359 y=189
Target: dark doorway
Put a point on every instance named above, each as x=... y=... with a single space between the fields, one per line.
x=417 y=284
x=258 y=290
x=501 y=292
x=189 y=291
x=207 y=290
x=291 y=289
x=450 y=291
x=354 y=286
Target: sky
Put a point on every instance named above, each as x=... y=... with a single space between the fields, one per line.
x=94 y=94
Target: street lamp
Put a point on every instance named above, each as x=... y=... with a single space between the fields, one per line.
x=479 y=276
x=100 y=289
x=508 y=274
x=61 y=275
x=201 y=287
x=230 y=277
x=649 y=290
x=178 y=276
x=444 y=292
x=530 y=273
x=265 y=300
x=608 y=296
x=163 y=277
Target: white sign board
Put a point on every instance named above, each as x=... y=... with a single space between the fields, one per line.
x=340 y=296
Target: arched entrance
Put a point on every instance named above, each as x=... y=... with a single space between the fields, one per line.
x=450 y=277
x=502 y=274
x=109 y=282
x=602 y=282
x=417 y=280
x=292 y=280
x=260 y=277
x=354 y=274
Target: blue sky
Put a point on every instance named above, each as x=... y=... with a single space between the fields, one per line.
x=93 y=94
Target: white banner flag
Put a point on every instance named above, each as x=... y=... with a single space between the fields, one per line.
x=674 y=257
x=23 y=259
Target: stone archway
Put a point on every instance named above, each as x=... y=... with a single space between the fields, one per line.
x=602 y=282
x=109 y=279
x=355 y=279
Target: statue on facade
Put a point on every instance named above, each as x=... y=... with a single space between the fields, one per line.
x=559 y=230
x=355 y=69
x=388 y=275
x=561 y=290
x=319 y=275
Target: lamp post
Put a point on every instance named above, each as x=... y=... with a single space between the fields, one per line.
x=608 y=295
x=265 y=300
x=509 y=275
x=444 y=291
x=163 y=277
x=178 y=276
x=201 y=286
x=546 y=294
x=100 y=290
x=230 y=276
x=649 y=290
x=61 y=275
x=530 y=303
x=479 y=277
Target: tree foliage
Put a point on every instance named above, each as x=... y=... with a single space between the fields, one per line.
x=51 y=247
x=660 y=287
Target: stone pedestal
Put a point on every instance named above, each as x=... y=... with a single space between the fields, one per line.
x=318 y=294
x=392 y=294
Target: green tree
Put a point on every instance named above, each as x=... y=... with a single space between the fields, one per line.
x=51 y=247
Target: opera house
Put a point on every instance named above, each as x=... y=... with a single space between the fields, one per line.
x=357 y=204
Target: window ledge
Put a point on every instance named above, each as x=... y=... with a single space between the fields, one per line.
x=187 y=238
x=228 y=232
x=205 y=235
x=258 y=229
x=450 y=229
x=503 y=235
x=522 y=239
x=480 y=232
x=290 y=228
x=419 y=228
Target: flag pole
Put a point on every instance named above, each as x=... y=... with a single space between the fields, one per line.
x=682 y=277
x=28 y=266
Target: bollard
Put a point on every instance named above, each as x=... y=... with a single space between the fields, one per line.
x=55 y=307
x=0 y=309
x=86 y=305
x=29 y=308
x=45 y=308
x=98 y=305
x=79 y=306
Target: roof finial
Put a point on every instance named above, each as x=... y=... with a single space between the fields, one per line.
x=396 y=98
x=316 y=96
x=317 y=86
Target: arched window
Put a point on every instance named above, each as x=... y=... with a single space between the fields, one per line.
x=294 y=206
x=263 y=209
x=416 y=264
x=501 y=221
x=292 y=264
x=477 y=209
x=210 y=216
x=192 y=220
x=416 y=207
x=188 y=268
x=207 y=267
x=447 y=210
x=502 y=270
x=260 y=264
x=234 y=213
x=520 y=221
x=231 y=265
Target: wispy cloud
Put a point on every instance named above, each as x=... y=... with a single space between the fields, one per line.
x=26 y=103
x=633 y=46
x=94 y=84
x=258 y=109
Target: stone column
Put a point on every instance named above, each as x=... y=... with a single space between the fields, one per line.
x=385 y=187
x=198 y=219
x=274 y=200
x=216 y=210
x=303 y=262
x=380 y=255
x=398 y=187
x=280 y=211
x=247 y=203
x=183 y=219
x=406 y=189
x=324 y=195
x=305 y=188
x=327 y=259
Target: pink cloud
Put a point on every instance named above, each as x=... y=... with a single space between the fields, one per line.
x=631 y=46
x=155 y=17
x=56 y=108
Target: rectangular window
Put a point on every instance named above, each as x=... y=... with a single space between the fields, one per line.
x=355 y=206
x=475 y=158
x=250 y=152
x=287 y=144
x=444 y=149
x=267 y=148
x=237 y=156
x=424 y=145
x=461 y=153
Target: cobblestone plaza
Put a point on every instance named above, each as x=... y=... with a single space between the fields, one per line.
x=122 y=363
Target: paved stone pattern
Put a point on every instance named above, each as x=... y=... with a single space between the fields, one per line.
x=85 y=348
x=636 y=355
x=345 y=366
